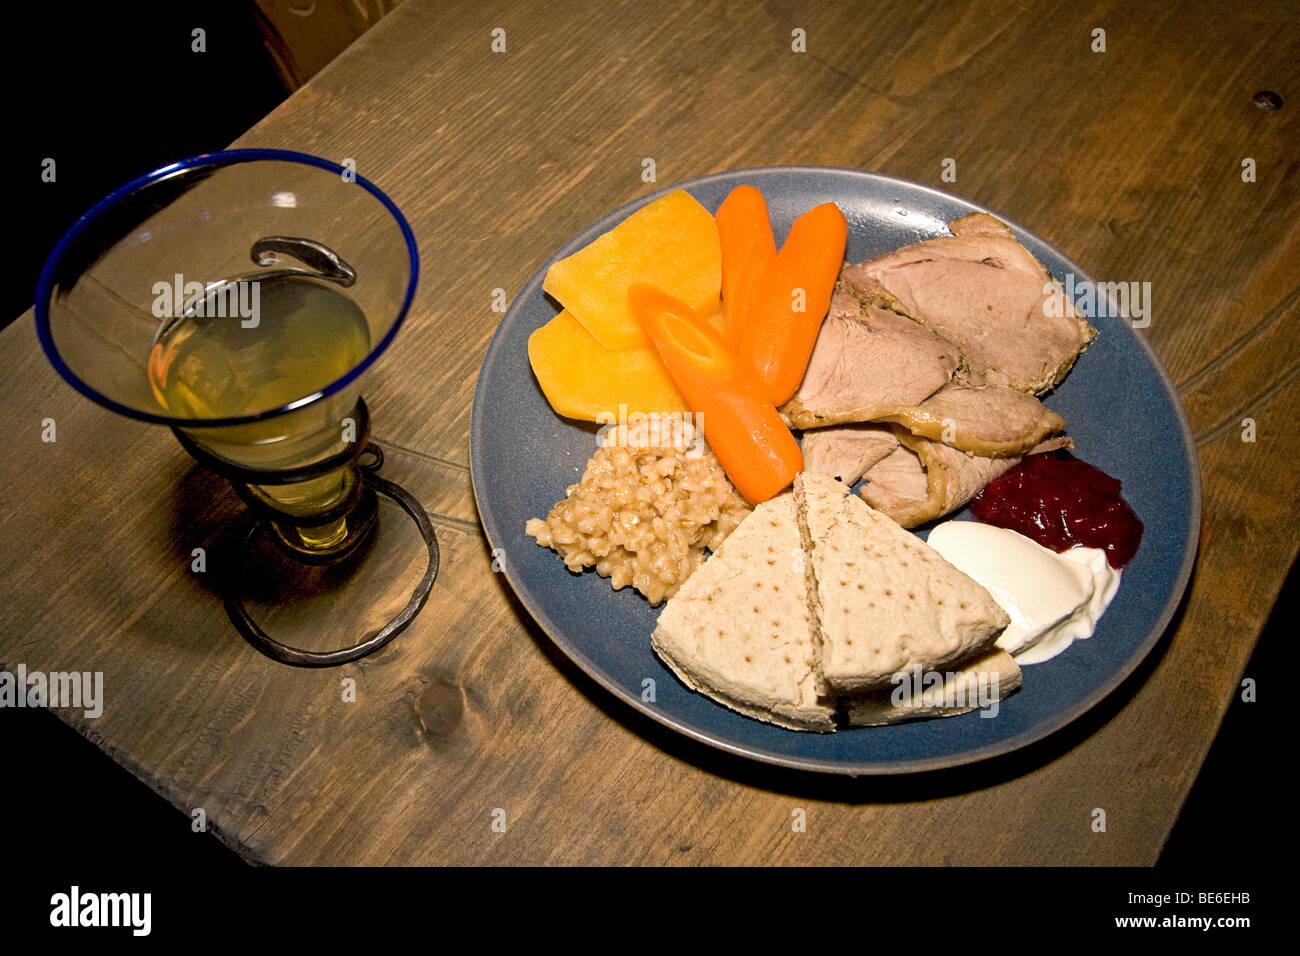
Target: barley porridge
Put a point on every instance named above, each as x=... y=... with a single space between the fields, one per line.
x=644 y=514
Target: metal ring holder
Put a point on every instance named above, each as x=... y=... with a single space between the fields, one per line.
x=370 y=480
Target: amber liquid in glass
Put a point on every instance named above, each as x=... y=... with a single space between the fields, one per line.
x=278 y=340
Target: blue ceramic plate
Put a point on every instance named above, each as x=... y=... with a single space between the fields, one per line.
x=1122 y=411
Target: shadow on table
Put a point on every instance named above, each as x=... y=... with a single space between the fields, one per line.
x=902 y=788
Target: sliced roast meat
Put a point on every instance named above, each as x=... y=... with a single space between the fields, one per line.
x=922 y=480
x=846 y=451
x=897 y=485
x=989 y=420
x=983 y=291
x=867 y=362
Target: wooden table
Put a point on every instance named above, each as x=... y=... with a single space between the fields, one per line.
x=1129 y=159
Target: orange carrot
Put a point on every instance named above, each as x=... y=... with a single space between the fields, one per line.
x=745 y=233
x=787 y=310
x=755 y=448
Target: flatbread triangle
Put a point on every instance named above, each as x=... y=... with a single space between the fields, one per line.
x=884 y=601
x=739 y=628
x=815 y=602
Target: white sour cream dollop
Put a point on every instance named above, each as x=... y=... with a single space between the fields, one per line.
x=1052 y=599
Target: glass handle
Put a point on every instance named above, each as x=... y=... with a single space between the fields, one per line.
x=322 y=261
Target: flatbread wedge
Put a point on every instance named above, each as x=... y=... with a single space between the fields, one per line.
x=881 y=600
x=739 y=629
x=986 y=677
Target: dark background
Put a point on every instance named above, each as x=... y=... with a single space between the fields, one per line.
x=111 y=91
x=115 y=92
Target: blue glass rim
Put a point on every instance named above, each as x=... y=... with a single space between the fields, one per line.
x=226 y=157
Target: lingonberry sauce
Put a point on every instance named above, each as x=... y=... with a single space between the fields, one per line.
x=1060 y=501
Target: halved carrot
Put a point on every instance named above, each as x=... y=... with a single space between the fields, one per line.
x=751 y=441
x=745 y=234
x=785 y=315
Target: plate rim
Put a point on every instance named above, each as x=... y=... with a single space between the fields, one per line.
x=592 y=669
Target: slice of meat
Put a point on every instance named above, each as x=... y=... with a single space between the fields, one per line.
x=989 y=420
x=983 y=291
x=922 y=480
x=899 y=487
x=873 y=365
x=867 y=362
x=846 y=451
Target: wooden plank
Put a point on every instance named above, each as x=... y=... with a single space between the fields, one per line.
x=1129 y=160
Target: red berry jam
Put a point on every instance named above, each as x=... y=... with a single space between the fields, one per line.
x=1060 y=501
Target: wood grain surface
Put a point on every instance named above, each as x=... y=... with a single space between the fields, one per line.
x=1129 y=160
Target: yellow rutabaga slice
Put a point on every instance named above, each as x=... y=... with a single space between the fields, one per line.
x=582 y=379
x=671 y=244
